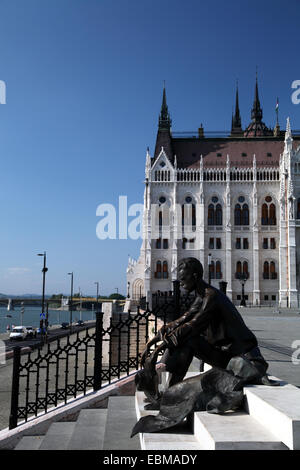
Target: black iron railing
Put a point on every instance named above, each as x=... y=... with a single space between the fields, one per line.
x=90 y=359
x=78 y=364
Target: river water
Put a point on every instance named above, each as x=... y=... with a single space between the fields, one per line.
x=31 y=317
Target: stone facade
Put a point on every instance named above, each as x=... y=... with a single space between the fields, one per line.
x=241 y=199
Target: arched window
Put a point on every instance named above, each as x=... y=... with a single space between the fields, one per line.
x=272 y=214
x=218 y=214
x=211 y=215
x=158 y=244
x=158 y=270
x=193 y=215
x=160 y=223
x=188 y=211
x=160 y=219
x=237 y=214
x=238 y=273
x=245 y=269
x=266 y=270
x=273 y=273
x=298 y=208
x=218 y=270
x=245 y=215
x=212 y=269
x=214 y=216
x=264 y=214
x=165 y=270
x=268 y=212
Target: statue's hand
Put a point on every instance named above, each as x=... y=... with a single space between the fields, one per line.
x=173 y=338
x=167 y=329
x=154 y=355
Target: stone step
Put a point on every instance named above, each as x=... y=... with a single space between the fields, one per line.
x=277 y=409
x=58 y=436
x=29 y=443
x=89 y=430
x=179 y=438
x=139 y=406
x=233 y=431
x=170 y=441
x=121 y=417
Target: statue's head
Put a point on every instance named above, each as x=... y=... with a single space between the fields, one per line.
x=190 y=272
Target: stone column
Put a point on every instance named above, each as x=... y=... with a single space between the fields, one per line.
x=283 y=289
x=228 y=241
x=108 y=310
x=201 y=226
x=255 y=245
x=293 y=293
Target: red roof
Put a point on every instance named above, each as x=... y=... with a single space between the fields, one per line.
x=240 y=151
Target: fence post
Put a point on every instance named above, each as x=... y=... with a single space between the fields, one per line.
x=98 y=352
x=176 y=292
x=13 y=417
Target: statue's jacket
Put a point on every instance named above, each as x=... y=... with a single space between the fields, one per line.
x=216 y=318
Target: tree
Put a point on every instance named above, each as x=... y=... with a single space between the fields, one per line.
x=116 y=296
x=56 y=297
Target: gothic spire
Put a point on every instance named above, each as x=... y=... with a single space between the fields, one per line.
x=164 y=138
x=164 y=122
x=256 y=113
x=257 y=127
x=236 y=126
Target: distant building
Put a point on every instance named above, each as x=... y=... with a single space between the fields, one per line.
x=236 y=198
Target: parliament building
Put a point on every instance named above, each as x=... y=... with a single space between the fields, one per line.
x=232 y=201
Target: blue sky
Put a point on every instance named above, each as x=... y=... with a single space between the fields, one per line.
x=84 y=84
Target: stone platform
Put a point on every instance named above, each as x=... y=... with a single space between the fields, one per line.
x=270 y=421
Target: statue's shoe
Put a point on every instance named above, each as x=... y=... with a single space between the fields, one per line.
x=266 y=381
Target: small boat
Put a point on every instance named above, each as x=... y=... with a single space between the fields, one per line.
x=10 y=305
x=8 y=316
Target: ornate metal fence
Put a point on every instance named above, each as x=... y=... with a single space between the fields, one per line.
x=87 y=360
x=73 y=366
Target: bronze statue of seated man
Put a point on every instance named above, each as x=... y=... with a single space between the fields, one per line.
x=213 y=331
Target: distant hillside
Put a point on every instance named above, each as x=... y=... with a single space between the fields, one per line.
x=24 y=296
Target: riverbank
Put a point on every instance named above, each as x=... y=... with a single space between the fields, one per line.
x=32 y=317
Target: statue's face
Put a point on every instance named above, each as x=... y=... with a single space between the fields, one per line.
x=187 y=279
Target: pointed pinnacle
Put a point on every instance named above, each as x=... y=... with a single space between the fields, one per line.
x=164 y=117
x=288 y=132
x=256 y=113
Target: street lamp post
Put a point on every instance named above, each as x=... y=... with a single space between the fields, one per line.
x=22 y=312
x=97 y=284
x=128 y=288
x=80 y=304
x=44 y=270
x=243 y=280
x=71 y=301
x=209 y=273
x=47 y=319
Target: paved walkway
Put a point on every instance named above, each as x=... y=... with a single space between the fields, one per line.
x=276 y=333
